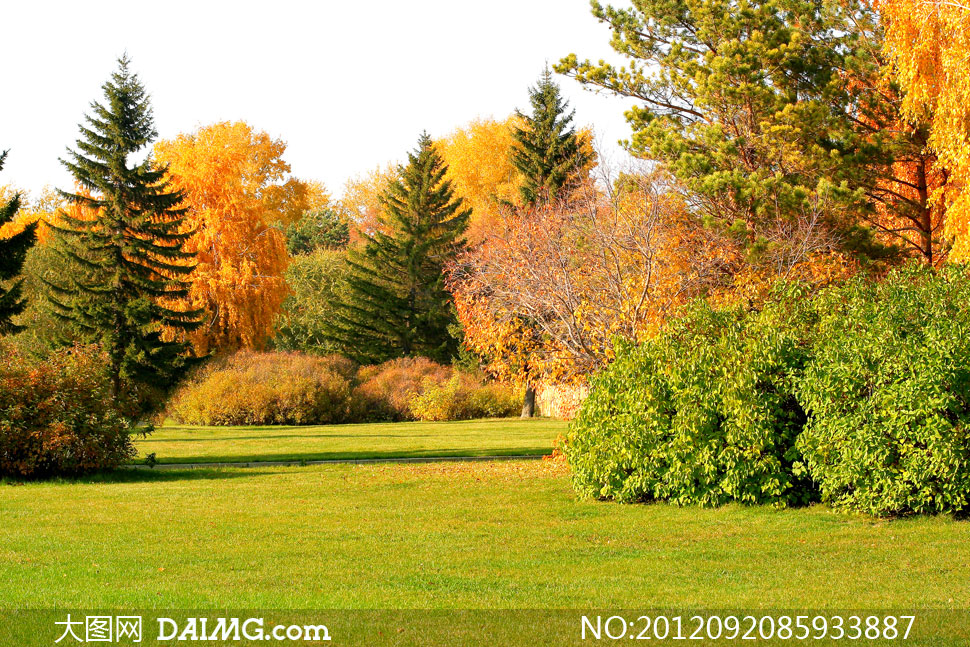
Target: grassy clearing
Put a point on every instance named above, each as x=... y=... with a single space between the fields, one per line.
x=463 y=535
x=180 y=444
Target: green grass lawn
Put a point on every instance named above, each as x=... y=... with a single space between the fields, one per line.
x=497 y=437
x=447 y=535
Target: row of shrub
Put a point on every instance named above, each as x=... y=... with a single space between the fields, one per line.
x=250 y=388
x=858 y=396
x=57 y=415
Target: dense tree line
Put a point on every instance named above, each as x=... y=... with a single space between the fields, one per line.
x=779 y=139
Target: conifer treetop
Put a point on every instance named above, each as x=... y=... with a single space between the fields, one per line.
x=421 y=196
x=547 y=151
x=398 y=305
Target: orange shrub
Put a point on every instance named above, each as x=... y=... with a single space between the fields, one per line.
x=266 y=389
x=385 y=390
x=57 y=416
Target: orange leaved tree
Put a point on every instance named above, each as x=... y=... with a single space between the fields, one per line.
x=236 y=187
x=928 y=43
x=547 y=293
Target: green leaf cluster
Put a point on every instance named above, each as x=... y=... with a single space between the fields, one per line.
x=889 y=394
x=318 y=229
x=317 y=282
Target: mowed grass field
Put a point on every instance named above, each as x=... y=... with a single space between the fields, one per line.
x=447 y=535
x=496 y=437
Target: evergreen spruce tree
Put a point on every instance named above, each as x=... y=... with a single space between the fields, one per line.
x=125 y=243
x=13 y=251
x=547 y=150
x=398 y=304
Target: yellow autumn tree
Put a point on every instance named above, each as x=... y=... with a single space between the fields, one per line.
x=479 y=158
x=42 y=208
x=361 y=201
x=928 y=42
x=236 y=187
x=480 y=167
x=287 y=202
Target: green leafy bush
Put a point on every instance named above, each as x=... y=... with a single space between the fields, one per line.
x=266 y=389
x=57 y=416
x=494 y=400
x=859 y=395
x=43 y=331
x=440 y=401
x=705 y=413
x=888 y=393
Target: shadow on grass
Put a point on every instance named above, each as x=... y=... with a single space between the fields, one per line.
x=130 y=475
x=391 y=455
x=314 y=436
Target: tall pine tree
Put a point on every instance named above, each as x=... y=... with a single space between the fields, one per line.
x=770 y=113
x=547 y=150
x=398 y=305
x=124 y=240
x=13 y=251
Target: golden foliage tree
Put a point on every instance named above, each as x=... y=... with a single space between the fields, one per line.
x=236 y=187
x=361 y=201
x=43 y=208
x=479 y=166
x=287 y=202
x=928 y=42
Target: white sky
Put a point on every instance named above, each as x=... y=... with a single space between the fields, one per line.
x=348 y=85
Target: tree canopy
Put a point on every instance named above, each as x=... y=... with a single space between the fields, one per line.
x=232 y=176
x=775 y=117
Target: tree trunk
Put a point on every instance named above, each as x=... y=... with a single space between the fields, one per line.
x=115 y=386
x=926 y=213
x=529 y=404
